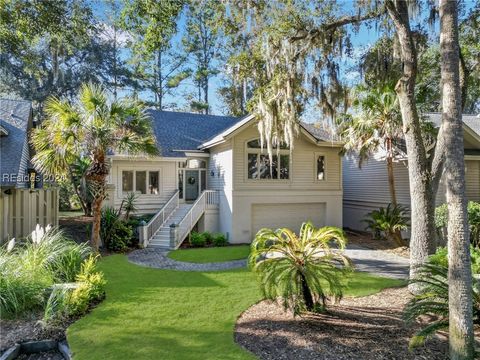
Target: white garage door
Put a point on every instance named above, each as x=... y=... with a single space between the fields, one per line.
x=291 y=216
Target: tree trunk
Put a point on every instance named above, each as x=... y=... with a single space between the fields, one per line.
x=205 y=93
x=83 y=203
x=307 y=295
x=160 y=80
x=391 y=181
x=97 y=175
x=459 y=271
x=97 y=217
x=422 y=241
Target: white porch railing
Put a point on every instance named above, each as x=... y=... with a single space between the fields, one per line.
x=208 y=199
x=157 y=221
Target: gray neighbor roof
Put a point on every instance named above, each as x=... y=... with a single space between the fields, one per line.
x=472 y=121
x=14 y=118
x=187 y=131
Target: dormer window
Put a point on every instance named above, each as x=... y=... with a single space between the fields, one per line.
x=259 y=166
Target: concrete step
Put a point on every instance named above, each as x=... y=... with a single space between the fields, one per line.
x=161 y=239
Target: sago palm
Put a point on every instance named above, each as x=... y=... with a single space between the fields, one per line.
x=432 y=301
x=91 y=127
x=300 y=270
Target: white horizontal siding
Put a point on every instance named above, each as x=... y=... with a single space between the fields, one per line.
x=472 y=176
x=220 y=178
x=370 y=183
x=367 y=188
x=146 y=203
x=302 y=166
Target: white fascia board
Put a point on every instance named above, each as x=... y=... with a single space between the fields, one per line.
x=228 y=133
x=145 y=158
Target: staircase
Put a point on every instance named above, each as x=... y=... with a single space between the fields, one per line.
x=161 y=239
x=159 y=232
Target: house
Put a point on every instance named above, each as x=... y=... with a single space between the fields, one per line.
x=367 y=188
x=24 y=202
x=213 y=175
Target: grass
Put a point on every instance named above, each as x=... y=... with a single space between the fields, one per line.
x=213 y=254
x=163 y=314
x=70 y=213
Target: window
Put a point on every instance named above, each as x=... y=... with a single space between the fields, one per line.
x=127 y=181
x=258 y=162
x=141 y=182
x=153 y=182
x=320 y=167
x=196 y=164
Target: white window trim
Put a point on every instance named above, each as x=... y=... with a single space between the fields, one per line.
x=134 y=183
x=264 y=152
x=325 y=167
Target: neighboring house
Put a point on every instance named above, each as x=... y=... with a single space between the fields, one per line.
x=23 y=203
x=367 y=188
x=213 y=175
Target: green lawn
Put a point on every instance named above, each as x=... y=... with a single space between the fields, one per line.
x=213 y=254
x=69 y=214
x=163 y=314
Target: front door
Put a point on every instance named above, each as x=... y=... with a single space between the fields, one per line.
x=191 y=185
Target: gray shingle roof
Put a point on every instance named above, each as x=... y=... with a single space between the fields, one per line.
x=472 y=121
x=186 y=131
x=14 y=118
x=320 y=131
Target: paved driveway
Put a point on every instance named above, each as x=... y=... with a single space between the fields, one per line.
x=378 y=262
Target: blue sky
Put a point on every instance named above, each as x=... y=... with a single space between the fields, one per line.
x=361 y=41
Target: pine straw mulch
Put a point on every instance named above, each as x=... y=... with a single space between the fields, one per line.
x=367 y=328
x=366 y=240
x=21 y=330
x=77 y=228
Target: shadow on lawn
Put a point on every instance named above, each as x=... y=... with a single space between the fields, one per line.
x=164 y=314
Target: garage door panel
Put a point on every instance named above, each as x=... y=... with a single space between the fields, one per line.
x=292 y=216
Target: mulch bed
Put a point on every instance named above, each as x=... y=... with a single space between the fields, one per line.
x=22 y=330
x=367 y=328
x=366 y=240
x=76 y=227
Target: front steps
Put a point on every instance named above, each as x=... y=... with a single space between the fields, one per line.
x=161 y=239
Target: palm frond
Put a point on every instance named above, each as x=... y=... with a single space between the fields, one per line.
x=286 y=262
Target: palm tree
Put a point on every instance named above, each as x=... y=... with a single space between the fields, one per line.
x=90 y=128
x=301 y=270
x=377 y=125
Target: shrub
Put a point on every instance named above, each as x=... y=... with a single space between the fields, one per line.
x=433 y=300
x=208 y=237
x=301 y=270
x=121 y=238
x=197 y=239
x=219 y=239
x=129 y=205
x=90 y=289
x=74 y=299
x=473 y=213
x=441 y=258
x=116 y=234
x=28 y=268
x=474 y=222
x=386 y=223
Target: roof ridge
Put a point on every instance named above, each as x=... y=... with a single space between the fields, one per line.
x=192 y=113
x=439 y=113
